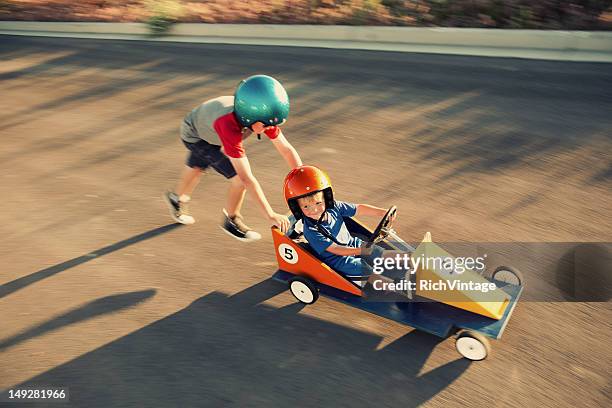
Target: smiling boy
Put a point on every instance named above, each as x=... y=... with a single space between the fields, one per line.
x=309 y=194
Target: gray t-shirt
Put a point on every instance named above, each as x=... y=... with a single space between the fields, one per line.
x=199 y=123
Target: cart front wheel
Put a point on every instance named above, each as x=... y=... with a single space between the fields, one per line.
x=508 y=274
x=472 y=345
x=303 y=290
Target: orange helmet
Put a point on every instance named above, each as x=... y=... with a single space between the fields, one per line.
x=303 y=181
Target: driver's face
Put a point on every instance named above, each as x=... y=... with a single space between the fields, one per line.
x=312 y=206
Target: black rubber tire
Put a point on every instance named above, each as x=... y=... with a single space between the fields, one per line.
x=508 y=269
x=303 y=289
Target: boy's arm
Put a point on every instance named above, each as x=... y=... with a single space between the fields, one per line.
x=343 y=250
x=287 y=150
x=370 y=210
x=320 y=243
x=243 y=170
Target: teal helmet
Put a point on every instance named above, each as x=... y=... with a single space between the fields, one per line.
x=261 y=98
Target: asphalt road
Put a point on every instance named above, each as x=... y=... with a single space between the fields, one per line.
x=101 y=293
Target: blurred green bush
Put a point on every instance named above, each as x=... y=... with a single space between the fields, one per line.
x=163 y=14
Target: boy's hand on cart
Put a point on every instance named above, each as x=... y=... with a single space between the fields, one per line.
x=281 y=221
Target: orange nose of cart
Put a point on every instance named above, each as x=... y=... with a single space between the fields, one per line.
x=296 y=260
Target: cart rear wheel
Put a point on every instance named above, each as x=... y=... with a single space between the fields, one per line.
x=508 y=274
x=472 y=345
x=303 y=290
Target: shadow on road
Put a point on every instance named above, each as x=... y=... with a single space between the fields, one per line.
x=473 y=115
x=20 y=283
x=224 y=350
x=105 y=305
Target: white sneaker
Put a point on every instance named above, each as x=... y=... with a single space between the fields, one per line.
x=178 y=209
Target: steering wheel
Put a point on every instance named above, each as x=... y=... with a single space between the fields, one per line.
x=384 y=226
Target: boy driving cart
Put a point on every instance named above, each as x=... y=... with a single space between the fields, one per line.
x=309 y=194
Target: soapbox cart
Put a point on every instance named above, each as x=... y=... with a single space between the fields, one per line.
x=471 y=319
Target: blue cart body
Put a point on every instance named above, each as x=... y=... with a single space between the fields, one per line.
x=432 y=317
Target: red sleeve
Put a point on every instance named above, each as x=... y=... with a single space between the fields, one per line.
x=273 y=132
x=230 y=137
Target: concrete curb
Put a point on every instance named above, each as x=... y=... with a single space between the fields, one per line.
x=595 y=46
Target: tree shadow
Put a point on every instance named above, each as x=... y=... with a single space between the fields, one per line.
x=473 y=115
x=98 y=91
x=98 y=307
x=603 y=176
x=232 y=350
x=20 y=283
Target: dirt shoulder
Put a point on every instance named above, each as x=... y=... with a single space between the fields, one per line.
x=483 y=13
